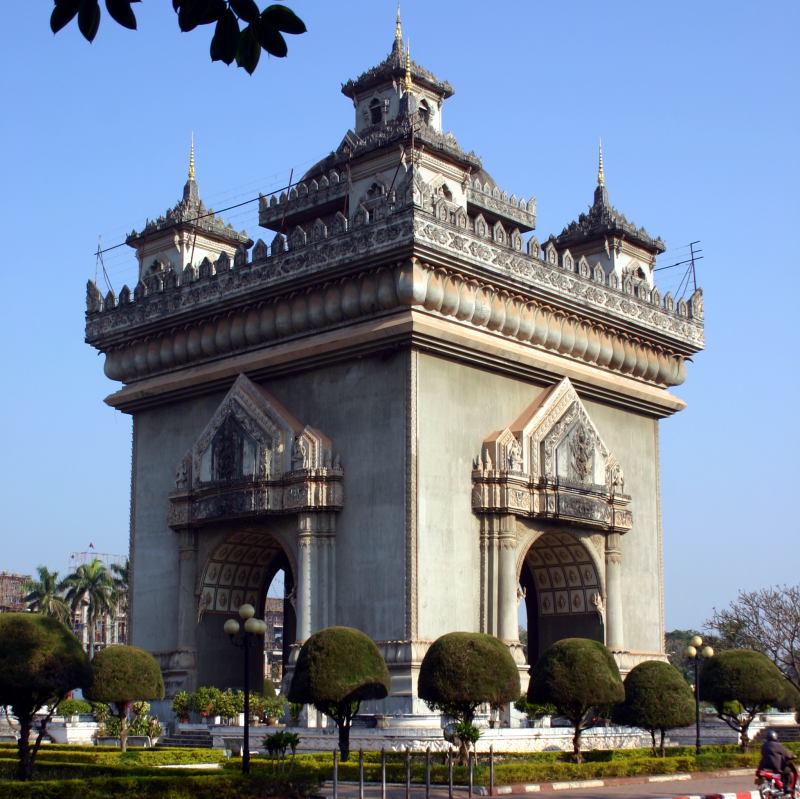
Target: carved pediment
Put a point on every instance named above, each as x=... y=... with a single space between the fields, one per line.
x=253 y=457
x=552 y=463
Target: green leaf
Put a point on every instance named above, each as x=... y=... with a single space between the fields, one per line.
x=284 y=19
x=225 y=42
x=121 y=12
x=245 y=9
x=249 y=50
x=89 y=19
x=63 y=14
x=214 y=9
x=199 y=12
x=270 y=38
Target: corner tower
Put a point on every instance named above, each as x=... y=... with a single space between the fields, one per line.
x=397 y=397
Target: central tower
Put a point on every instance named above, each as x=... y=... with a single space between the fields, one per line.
x=401 y=400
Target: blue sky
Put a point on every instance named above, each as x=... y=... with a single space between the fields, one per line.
x=697 y=105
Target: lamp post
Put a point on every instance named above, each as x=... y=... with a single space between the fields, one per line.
x=253 y=628
x=694 y=652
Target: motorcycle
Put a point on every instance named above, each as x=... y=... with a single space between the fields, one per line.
x=770 y=783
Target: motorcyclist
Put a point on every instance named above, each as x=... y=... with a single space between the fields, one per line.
x=775 y=757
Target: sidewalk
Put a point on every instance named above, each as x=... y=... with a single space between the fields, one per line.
x=728 y=784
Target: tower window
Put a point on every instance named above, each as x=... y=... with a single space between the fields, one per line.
x=375 y=112
x=424 y=111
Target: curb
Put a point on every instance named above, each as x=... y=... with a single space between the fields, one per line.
x=547 y=787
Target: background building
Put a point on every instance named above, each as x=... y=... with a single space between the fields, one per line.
x=12 y=592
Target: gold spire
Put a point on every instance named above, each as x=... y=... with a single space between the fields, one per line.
x=408 y=84
x=601 y=180
x=398 y=28
x=191 y=159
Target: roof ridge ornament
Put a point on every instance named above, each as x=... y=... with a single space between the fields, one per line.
x=398 y=28
x=408 y=84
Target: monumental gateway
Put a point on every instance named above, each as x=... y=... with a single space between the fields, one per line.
x=400 y=399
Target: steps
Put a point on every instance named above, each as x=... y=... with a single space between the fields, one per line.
x=196 y=739
x=789 y=732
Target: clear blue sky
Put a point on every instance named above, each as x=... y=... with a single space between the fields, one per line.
x=697 y=105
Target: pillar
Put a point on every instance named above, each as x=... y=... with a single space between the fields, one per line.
x=507 y=624
x=187 y=581
x=316 y=573
x=615 y=638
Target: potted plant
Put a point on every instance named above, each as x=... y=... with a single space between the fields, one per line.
x=70 y=709
x=274 y=709
x=180 y=706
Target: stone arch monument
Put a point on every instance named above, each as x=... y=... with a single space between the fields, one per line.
x=418 y=417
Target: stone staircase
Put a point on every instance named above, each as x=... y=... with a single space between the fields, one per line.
x=196 y=739
x=786 y=732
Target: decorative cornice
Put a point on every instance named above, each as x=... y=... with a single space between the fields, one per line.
x=323 y=280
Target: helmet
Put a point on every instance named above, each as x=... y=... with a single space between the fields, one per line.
x=772 y=735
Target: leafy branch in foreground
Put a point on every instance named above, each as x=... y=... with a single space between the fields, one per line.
x=241 y=29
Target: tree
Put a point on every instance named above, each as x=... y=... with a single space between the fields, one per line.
x=91 y=583
x=742 y=683
x=461 y=671
x=657 y=697
x=337 y=669
x=41 y=661
x=45 y=595
x=121 y=675
x=767 y=621
x=580 y=678
x=262 y=29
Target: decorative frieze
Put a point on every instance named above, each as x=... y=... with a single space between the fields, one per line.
x=552 y=465
x=235 y=306
x=252 y=460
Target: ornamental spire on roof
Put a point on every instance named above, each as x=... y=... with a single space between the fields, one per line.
x=600 y=176
x=398 y=27
x=407 y=84
x=191 y=159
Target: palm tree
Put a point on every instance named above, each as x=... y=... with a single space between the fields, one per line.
x=91 y=584
x=45 y=595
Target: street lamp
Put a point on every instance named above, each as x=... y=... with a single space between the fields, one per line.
x=694 y=652
x=253 y=628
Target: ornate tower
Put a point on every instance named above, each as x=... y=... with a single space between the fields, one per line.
x=419 y=416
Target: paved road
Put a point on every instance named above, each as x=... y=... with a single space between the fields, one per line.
x=702 y=785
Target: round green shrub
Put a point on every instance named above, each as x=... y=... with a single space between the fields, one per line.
x=463 y=670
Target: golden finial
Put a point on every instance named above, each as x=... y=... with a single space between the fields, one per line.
x=191 y=160
x=408 y=84
x=601 y=181
x=398 y=28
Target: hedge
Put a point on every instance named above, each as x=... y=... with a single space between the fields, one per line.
x=183 y=786
x=113 y=757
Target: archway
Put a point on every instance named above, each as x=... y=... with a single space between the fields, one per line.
x=241 y=569
x=562 y=592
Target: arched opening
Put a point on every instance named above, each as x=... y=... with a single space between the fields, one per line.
x=279 y=614
x=424 y=111
x=248 y=566
x=562 y=593
x=375 y=112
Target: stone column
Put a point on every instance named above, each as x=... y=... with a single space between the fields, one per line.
x=615 y=638
x=303 y=587
x=507 y=624
x=187 y=580
x=316 y=573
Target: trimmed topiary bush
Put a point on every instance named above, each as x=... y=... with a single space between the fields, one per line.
x=122 y=675
x=657 y=698
x=41 y=661
x=336 y=670
x=581 y=679
x=746 y=677
x=461 y=671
